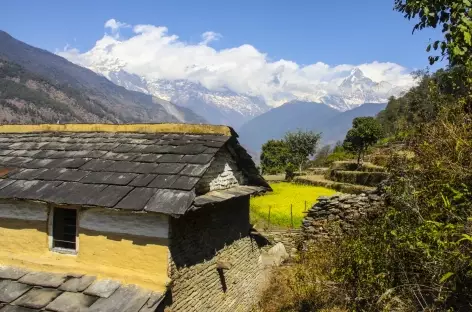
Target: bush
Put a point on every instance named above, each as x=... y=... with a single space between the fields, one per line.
x=351 y=165
x=357 y=177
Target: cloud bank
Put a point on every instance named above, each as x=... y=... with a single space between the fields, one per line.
x=152 y=52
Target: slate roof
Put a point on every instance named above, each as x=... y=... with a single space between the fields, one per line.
x=154 y=172
x=26 y=291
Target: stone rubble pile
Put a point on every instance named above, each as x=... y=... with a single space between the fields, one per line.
x=338 y=214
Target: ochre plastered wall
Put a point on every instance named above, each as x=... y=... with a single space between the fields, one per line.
x=138 y=257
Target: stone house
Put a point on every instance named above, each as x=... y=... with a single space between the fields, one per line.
x=126 y=218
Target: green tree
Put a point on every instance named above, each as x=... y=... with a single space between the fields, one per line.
x=455 y=16
x=301 y=145
x=274 y=157
x=321 y=156
x=365 y=132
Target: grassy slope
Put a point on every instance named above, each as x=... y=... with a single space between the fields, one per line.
x=280 y=199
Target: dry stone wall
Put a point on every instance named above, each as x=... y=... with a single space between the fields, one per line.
x=338 y=214
x=215 y=262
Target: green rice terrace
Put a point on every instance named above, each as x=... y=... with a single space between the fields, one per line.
x=284 y=196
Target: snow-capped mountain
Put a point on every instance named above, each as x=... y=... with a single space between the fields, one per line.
x=357 y=89
x=224 y=106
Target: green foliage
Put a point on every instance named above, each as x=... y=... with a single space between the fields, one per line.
x=301 y=144
x=365 y=132
x=455 y=16
x=274 y=157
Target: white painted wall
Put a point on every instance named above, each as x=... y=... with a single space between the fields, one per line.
x=140 y=224
x=223 y=173
x=23 y=210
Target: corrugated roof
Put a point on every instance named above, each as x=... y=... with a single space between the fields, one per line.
x=154 y=172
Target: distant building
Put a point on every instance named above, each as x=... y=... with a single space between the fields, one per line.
x=126 y=218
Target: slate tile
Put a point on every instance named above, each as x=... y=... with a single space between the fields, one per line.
x=123 y=148
x=75 y=193
x=119 y=156
x=123 y=166
x=163 y=181
x=190 y=149
x=118 y=178
x=41 y=190
x=127 y=298
x=10 y=308
x=153 y=149
x=15 y=189
x=72 y=163
x=102 y=288
x=185 y=183
x=11 y=290
x=28 y=174
x=45 y=154
x=214 y=143
x=72 y=175
x=4 y=152
x=148 y=157
x=170 y=201
x=146 y=168
x=70 y=302
x=50 y=174
x=109 y=196
x=38 y=163
x=23 y=153
x=43 y=279
x=153 y=303
x=194 y=170
x=95 y=154
x=169 y=168
x=5 y=182
x=97 y=165
x=136 y=199
x=13 y=273
x=197 y=159
x=37 y=298
x=211 y=150
x=170 y=158
x=108 y=146
x=18 y=161
x=78 y=284
x=97 y=177
x=206 y=199
x=142 y=180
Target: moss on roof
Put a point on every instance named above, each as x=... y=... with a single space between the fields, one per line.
x=136 y=128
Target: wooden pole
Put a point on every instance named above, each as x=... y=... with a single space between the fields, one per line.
x=268 y=219
x=291 y=215
x=305 y=205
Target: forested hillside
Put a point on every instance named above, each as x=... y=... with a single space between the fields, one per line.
x=39 y=86
x=414 y=253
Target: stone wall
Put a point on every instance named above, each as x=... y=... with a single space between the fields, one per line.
x=290 y=238
x=335 y=215
x=223 y=173
x=215 y=262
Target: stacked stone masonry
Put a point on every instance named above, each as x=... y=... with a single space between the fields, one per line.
x=338 y=214
x=215 y=262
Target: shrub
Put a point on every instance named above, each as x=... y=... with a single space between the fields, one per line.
x=357 y=177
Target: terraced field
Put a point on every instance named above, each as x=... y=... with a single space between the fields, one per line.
x=279 y=201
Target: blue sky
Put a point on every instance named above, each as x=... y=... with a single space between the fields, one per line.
x=334 y=32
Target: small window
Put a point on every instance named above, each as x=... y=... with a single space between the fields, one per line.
x=64 y=229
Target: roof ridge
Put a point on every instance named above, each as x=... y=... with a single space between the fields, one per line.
x=124 y=128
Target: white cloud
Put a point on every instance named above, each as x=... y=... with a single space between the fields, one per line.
x=155 y=54
x=210 y=36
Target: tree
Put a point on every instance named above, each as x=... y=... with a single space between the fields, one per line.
x=274 y=157
x=365 y=132
x=456 y=19
x=301 y=144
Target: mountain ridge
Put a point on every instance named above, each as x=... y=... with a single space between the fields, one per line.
x=89 y=88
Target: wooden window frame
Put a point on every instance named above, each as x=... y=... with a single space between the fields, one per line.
x=51 y=234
